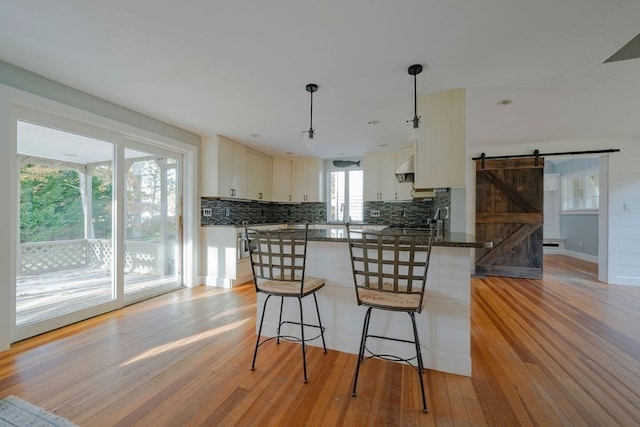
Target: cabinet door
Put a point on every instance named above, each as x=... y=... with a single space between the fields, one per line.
x=315 y=180
x=282 y=180
x=371 y=177
x=440 y=155
x=307 y=180
x=265 y=177
x=225 y=166
x=239 y=170
x=388 y=176
x=253 y=174
x=299 y=180
x=379 y=176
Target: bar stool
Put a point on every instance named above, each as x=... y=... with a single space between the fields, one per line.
x=390 y=273
x=278 y=259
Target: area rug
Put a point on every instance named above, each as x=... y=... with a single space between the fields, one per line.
x=15 y=412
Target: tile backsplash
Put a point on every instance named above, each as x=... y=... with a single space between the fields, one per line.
x=234 y=212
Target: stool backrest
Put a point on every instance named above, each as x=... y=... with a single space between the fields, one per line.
x=390 y=268
x=278 y=254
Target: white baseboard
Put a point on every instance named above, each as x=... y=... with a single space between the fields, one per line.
x=579 y=255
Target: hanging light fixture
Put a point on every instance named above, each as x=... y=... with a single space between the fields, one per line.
x=311 y=88
x=414 y=133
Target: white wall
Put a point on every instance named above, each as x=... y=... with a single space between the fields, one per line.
x=623 y=189
x=25 y=89
x=624 y=216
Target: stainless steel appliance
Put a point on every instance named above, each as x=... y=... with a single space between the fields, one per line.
x=242 y=246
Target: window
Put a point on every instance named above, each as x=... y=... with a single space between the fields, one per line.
x=346 y=195
x=580 y=191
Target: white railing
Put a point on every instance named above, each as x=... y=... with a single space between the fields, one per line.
x=140 y=257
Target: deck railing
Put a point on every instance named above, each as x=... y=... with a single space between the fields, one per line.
x=140 y=257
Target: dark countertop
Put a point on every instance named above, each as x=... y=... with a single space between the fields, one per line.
x=450 y=240
x=338 y=233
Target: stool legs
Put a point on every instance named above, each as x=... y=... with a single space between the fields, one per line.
x=416 y=342
x=363 y=340
x=279 y=332
x=419 y=357
x=303 y=345
x=324 y=346
x=255 y=351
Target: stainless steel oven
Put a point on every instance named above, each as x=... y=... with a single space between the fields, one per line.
x=242 y=246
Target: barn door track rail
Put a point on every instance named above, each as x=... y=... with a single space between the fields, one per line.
x=537 y=154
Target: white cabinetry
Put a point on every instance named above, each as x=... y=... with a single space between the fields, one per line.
x=281 y=180
x=440 y=155
x=380 y=183
x=259 y=178
x=379 y=176
x=265 y=173
x=220 y=263
x=229 y=169
x=307 y=180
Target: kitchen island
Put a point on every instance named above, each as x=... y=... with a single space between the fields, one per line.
x=444 y=324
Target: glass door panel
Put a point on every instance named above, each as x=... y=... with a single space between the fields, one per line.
x=64 y=255
x=152 y=223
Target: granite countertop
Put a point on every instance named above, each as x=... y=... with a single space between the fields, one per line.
x=451 y=240
x=338 y=233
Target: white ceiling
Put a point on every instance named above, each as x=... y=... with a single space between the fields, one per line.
x=239 y=67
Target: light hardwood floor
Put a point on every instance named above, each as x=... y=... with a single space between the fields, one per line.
x=564 y=350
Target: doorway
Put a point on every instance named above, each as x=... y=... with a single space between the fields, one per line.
x=99 y=223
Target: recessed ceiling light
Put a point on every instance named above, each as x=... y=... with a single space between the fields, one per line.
x=505 y=102
x=70 y=155
x=254 y=135
x=382 y=145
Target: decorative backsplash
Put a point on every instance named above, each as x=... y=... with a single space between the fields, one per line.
x=234 y=212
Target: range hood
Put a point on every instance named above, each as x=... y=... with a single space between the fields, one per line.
x=406 y=172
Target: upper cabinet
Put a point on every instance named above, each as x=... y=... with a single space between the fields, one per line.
x=379 y=176
x=259 y=175
x=265 y=175
x=281 y=180
x=229 y=169
x=440 y=155
x=307 y=180
x=380 y=183
x=298 y=180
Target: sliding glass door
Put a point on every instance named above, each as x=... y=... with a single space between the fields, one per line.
x=64 y=253
x=153 y=233
x=78 y=255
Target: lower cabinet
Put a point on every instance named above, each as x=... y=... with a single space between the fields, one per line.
x=220 y=263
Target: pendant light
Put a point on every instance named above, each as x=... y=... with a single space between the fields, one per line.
x=414 y=133
x=311 y=88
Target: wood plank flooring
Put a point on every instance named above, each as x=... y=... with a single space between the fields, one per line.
x=564 y=350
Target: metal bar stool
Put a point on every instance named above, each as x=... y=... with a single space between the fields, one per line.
x=278 y=259
x=390 y=273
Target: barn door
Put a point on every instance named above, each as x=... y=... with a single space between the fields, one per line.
x=509 y=202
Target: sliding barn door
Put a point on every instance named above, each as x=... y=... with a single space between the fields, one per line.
x=509 y=202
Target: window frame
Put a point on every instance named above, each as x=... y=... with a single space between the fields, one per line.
x=347 y=213
x=584 y=199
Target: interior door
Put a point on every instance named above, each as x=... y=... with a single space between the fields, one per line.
x=509 y=212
